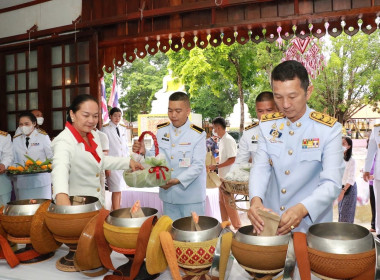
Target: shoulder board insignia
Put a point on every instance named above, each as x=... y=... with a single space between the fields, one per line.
x=163 y=125
x=251 y=126
x=17 y=135
x=272 y=116
x=196 y=128
x=4 y=133
x=40 y=130
x=323 y=118
x=107 y=124
x=123 y=125
x=377 y=125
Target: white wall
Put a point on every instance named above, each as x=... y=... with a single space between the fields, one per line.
x=46 y=15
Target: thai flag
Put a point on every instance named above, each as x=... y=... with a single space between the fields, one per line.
x=104 y=100
x=114 y=97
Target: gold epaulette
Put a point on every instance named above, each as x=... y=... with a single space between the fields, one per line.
x=377 y=125
x=40 y=130
x=4 y=133
x=196 y=128
x=323 y=118
x=17 y=135
x=107 y=124
x=162 y=125
x=251 y=126
x=123 y=125
x=272 y=116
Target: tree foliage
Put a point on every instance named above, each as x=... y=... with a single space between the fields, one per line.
x=351 y=78
x=140 y=80
x=216 y=77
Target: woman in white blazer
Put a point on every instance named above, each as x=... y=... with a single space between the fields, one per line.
x=78 y=156
x=36 y=144
x=118 y=147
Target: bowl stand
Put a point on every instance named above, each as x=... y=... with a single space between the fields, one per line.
x=125 y=269
x=196 y=274
x=261 y=274
x=30 y=255
x=66 y=263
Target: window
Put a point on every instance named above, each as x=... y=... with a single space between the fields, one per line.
x=47 y=78
x=21 y=78
x=70 y=77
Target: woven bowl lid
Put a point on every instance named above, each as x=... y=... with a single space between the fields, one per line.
x=155 y=258
x=86 y=255
x=42 y=239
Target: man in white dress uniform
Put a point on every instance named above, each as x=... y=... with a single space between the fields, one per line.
x=118 y=147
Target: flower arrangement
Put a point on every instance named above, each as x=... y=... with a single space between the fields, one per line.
x=31 y=166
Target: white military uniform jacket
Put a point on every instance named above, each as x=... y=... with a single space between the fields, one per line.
x=39 y=149
x=248 y=144
x=373 y=149
x=118 y=147
x=6 y=158
x=307 y=162
x=75 y=170
x=185 y=145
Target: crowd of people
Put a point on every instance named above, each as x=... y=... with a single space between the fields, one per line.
x=300 y=162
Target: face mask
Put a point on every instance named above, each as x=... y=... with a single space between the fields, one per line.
x=26 y=130
x=345 y=148
x=40 y=120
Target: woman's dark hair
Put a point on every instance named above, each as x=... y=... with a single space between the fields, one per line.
x=348 y=153
x=114 y=110
x=78 y=100
x=29 y=115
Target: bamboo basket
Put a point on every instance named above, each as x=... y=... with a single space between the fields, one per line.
x=239 y=192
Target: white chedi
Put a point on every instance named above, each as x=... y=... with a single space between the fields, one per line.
x=240 y=173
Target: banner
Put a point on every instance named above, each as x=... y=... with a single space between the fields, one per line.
x=104 y=100
x=114 y=97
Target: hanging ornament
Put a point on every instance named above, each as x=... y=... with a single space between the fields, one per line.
x=279 y=41
x=307 y=52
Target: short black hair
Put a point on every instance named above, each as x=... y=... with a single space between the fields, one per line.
x=265 y=96
x=75 y=105
x=180 y=96
x=29 y=115
x=114 y=110
x=289 y=70
x=221 y=121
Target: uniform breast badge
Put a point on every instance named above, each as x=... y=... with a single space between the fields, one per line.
x=275 y=134
x=166 y=136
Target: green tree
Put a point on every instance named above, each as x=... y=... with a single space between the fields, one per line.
x=217 y=77
x=267 y=57
x=351 y=79
x=140 y=80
